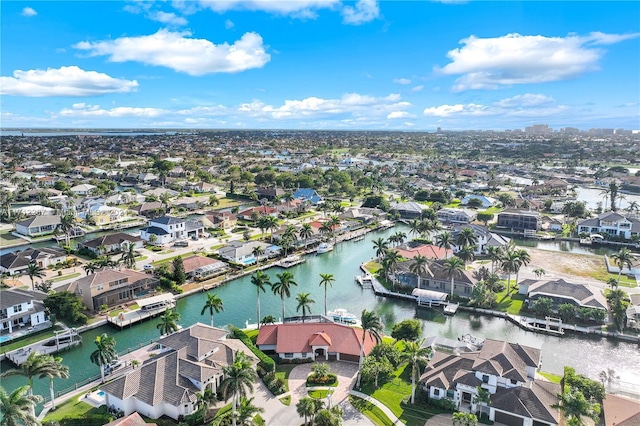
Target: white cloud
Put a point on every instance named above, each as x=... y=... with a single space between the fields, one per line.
x=299 y=8
x=364 y=11
x=83 y=110
x=65 y=81
x=417 y=88
x=526 y=100
x=29 y=12
x=228 y=24
x=403 y=81
x=400 y=114
x=527 y=105
x=457 y=109
x=489 y=63
x=168 y=18
x=177 y=51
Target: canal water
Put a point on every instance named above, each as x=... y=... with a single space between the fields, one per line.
x=588 y=355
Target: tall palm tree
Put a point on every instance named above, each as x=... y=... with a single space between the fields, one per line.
x=621 y=259
x=213 y=304
x=282 y=287
x=414 y=227
x=327 y=280
x=510 y=263
x=90 y=267
x=400 y=237
x=17 y=408
x=304 y=302
x=35 y=271
x=495 y=255
x=67 y=223
x=573 y=405
x=247 y=411
x=466 y=238
x=539 y=272
x=453 y=267
x=257 y=252
x=466 y=253
x=371 y=325
x=414 y=353
x=260 y=280
x=381 y=246
x=525 y=258
x=272 y=224
x=307 y=407
x=306 y=231
x=105 y=352
x=168 y=322
x=238 y=379
x=445 y=240
x=129 y=257
x=390 y=261
x=55 y=371
x=419 y=267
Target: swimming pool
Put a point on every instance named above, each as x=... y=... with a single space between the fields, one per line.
x=4 y=339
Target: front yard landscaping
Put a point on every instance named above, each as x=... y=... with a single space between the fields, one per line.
x=75 y=411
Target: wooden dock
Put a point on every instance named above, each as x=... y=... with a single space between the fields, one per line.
x=149 y=307
x=63 y=339
x=451 y=308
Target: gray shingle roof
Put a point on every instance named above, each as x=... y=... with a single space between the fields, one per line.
x=534 y=402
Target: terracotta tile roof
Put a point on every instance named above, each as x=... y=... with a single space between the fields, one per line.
x=427 y=250
x=192 y=263
x=133 y=419
x=320 y=339
x=298 y=337
x=621 y=411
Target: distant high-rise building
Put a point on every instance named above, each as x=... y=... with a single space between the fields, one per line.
x=538 y=129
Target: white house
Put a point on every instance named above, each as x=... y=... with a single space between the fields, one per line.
x=610 y=223
x=82 y=189
x=18 y=261
x=451 y=215
x=21 y=308
x=243 y=252
x=38 y=225
x=166 y=230
x=486 y=238
x=188 y=362
x=486 y=201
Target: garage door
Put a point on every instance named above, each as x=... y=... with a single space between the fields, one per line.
x=349 y=358
x=508 y=419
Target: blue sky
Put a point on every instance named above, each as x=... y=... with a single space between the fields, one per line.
x=320 y=64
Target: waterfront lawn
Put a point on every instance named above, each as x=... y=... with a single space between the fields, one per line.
x=252 y=334
x=394 y=392
x=373 y=413
x=372 y=267
x=510 y=304
x=29 y=339
x=75 y=409
x=7 y=239
x=553 y=378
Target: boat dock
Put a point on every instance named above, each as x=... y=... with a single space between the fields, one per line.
x=548 y=325
x=451 y=308
x=290 y=261
x=63 y=339
x=149 y=307
x=365 y=281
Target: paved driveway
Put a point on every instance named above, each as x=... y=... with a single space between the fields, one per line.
x=278 y=414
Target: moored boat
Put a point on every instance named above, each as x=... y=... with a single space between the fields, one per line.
x=342 y=316
x=324 y=248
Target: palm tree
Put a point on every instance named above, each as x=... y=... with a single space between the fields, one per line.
x=390 y=261
x=168 y=322
x=90 y=267
x=306 y=231
x=466 y=253
x=414 y=227
x=307 y=407
x=164 y=199
x=400 y=237
x=510 y=263
x=213 y=303
x=371 y=324
x=238 y=378
x=466 y=238
x=573 y=405
x=453 y=267
x=260 y=280
x=304 y=302
x=17 y=408
x=539 y=272
x=282 y=287
x=419 y=267
x=381 y=246
x=621 y=259
x=105 y=353
x=257 y=252
x=67 y=222
x=129 y=257
x=525 y=258
x=445 y=240
x=55 y=370
x=483 y=398
x=247 y=411
x=35 y=271
x=327 y=280
x=414 y=353
x=495 y=254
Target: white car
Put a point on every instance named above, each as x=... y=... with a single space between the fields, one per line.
x=149 y=267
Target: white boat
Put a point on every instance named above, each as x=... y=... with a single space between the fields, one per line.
x=473 y=342
x=290 y=261
x=342 y=316
x=324 y=248
x=365 y=281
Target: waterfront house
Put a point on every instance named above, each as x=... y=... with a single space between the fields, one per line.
x=308 y=194
x=242 y=252
x=82 y=189
x=486 y=201
x=610 y=223
x=150 y=209
x=486 y=238
x=260 y=211
x=38 y=225
x=620 y=410
x=408 y=210
x=186 y=363
x=112 y=243
x=21 y=308
x=507 y=371
x=561 y=291
x=103 y=215
x=111 y=287
x=430 y=251
x=166 y=229
x=436 y=279
x=518 y=220
x=18 y=261
x=451 y=215
x=201 y=267
x=222 y=220
x=321 y=341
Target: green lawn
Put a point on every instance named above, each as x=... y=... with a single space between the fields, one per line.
x=7 y=239
x=286 y=400
x=252 y=334
x=66 y=277
x=372 y=267
x=318 y=393
x=373 y=413
x=169 y=259
x=32 y=338
x=283 y=371
x=73 y=408
x=510 y=304
x=553 y=378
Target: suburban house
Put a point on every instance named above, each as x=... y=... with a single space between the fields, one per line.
x=222 y=220
x=18 y=261
x=243 y=252
x=633 y=312
x=21 y=308
x=112 y=243
x=103 y=215
x=610 y=223
x=451 y=215
x=363 y=214
x=133 y=419
x=270 y=193
x=430 y=251
x=308 y=194
x=111 y=287
x=322 y=341
x=166 y=229
x=259 y=211
x=507 y=371
x=202 y=267
x=486 y=238
x=82 y=189
x=408 y=210
x=187 y=363
x=561 y=291
x=436 y=279
x=150 y=209
x=519 y=220
x=619 y=410
x=486 y=201
x=38 y=225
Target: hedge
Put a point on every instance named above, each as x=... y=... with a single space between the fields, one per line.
x=266 y=362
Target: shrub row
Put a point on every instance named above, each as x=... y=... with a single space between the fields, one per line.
x=266 y=363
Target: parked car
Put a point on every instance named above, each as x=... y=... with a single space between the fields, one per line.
x=181 y=243
x=149 y=268
x=113 y=366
